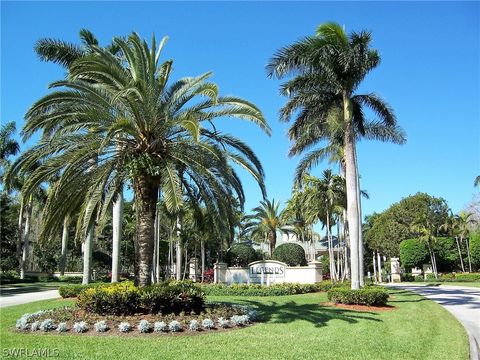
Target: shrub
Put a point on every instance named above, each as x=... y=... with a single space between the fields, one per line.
x=35 y=326
x=413 y=253
x=371 y=296
x=260 y=290
x=80 y=327
x=240 y=320
x=47 y=325
x=408 y=277
x=22 y=323
x=174 y=326
x=144 y=326
x=193 y=325
x=454 y=277
x=69 y=291
x=62 y=327
x=101 y=326
x=160 y=326
x=222 y=323
x=114 y=299
x=474 y=242
x=70 y=279
x=124 y=327
x=240 y=255
x=291 y=254
x=208 y=324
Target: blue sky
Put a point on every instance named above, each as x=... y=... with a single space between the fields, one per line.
x=429 y=74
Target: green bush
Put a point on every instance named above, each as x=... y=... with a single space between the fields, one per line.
x=451 y=277
x=475 y=250
x=413 y=253
x=127 y=299
x=70 y=279
x=240 y=255
x=262 y=290
x=291 y=254
x=69 y=291
x=408 y=277
x=371 y=296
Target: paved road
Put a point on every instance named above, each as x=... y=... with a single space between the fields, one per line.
x=10 y=299
x=462 y=302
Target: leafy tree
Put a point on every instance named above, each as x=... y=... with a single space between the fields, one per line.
x=475 y=250
x=120 y=112
x=328 y=70
x=290 y=253
x=413 y=253
x=9 y=210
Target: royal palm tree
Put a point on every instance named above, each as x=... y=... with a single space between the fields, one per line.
x=426 y=232
x=328 y=69
x=266 y=220
x=121 y=112
x=450 y=227
x=462 y=223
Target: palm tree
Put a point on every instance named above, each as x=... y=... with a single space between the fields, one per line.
x=462 y=223
x=267 y=220
x=329 y=67
x=119 y=111
x=8 y=146
x=477 y=181
x=450 y=226
x=425 y=230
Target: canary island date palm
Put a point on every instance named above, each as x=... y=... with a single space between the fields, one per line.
x=327 y=70
x=120 y=111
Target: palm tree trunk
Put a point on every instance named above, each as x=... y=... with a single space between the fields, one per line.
x=146 y=195
x=331 y=256
x=272 y=239
x=351 y=178
x=360 y=235
x=374 y=267
x=460 y=254
x=468 y=255
x=157 y=253
x=433 y=260
x=20 y=235
x=379 y=264
x=202 y=255
x=26 y=241
x=63 y=256
x=117 y=218
x=178 y=251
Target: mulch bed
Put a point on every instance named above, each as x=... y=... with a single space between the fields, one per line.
x=360 y=307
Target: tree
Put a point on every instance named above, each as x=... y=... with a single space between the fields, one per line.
x=329 y=67
x=462 y=223
x=413 y=253
x=120 y=112
x=450 y=227
x=425 y=231
x=267 y=220
x=8 y=146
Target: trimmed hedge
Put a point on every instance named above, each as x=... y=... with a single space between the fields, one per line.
x=261 y=290
x=240 y=255
x=371 y=296
x=69 y=291
x=127 y=299
x=451 y=277
x=291 y=254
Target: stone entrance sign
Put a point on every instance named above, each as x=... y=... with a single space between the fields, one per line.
x=272 y=268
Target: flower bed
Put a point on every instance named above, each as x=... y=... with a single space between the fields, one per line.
x=215 y=316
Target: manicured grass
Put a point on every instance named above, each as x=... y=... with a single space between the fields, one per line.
x=294 y=327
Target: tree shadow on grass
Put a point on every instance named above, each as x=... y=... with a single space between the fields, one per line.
x=316 y=314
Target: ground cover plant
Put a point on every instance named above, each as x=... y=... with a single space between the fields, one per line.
x=418 y=329
x=272 y=290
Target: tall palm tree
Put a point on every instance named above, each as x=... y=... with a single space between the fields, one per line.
x=266 y=220
x=450 y=226
x=425 y=230
x=328 y=69
x=462 y=223
x=120 y=111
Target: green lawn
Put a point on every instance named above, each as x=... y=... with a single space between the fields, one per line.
x=19 y=288
x=294 y=327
